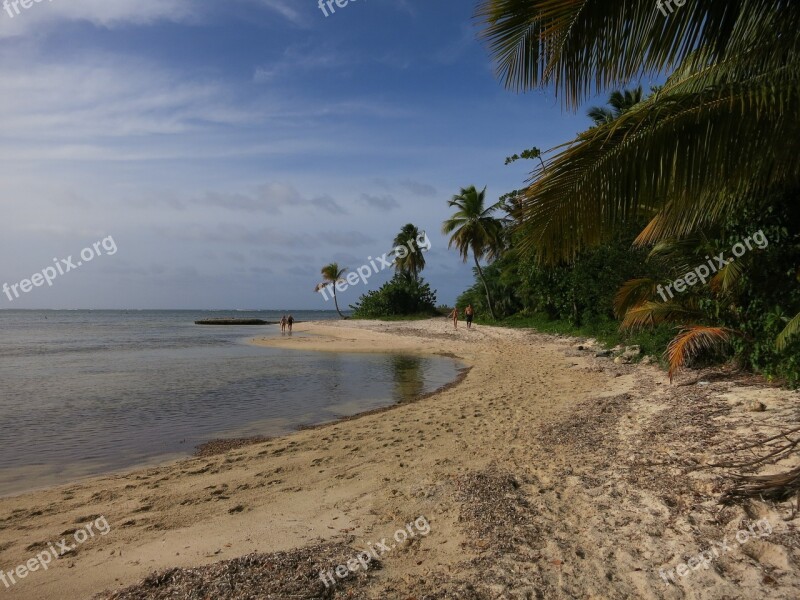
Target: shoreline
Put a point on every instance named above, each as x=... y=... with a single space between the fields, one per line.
x=220 y=445
x=539 y=442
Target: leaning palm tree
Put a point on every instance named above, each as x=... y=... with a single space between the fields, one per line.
x=474 y=228
x=331 y=275
x=414 y=260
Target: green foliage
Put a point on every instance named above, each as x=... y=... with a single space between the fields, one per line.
x=710 y=158
x=503 y=283
x=606 y=331
x=752 y=298
x=404 y=295
x=767 y=295
x=584 y=291
x=529 y=154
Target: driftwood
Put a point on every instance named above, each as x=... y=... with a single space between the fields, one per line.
x=778 y=450
x=778 y=487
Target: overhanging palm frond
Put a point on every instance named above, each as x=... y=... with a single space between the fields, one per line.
x=581 y=46
x=669 y=157
x=679 y=256
x=693 y=341
x=633 y=292
x=650 y=314
x=792 y=329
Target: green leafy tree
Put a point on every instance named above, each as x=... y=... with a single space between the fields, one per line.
x=473 y=228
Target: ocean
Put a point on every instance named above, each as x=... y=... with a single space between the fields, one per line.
x=90 y=392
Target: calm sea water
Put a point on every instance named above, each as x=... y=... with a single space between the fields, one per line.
x=88 y=392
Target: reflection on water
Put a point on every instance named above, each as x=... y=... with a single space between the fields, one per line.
x=408 y=376
x=87 y=393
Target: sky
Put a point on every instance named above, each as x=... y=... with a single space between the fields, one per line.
x=231 y=149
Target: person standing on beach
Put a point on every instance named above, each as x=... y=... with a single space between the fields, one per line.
x=454 y=315
x=289 y=321
x=469 y=312
x=283 y=324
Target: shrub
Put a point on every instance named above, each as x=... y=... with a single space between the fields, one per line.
x=404 y=295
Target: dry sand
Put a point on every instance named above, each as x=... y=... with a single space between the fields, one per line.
x=545 y=473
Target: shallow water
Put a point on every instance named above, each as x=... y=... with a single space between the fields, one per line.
x=88 y=392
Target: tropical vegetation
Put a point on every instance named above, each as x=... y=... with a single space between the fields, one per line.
x=406 y=294
x=657 y=181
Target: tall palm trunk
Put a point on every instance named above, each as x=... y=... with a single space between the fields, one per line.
x=486 y=287
x=336 y=302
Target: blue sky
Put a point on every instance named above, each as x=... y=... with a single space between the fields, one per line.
x=233 y=148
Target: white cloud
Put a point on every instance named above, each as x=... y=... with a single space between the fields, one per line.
x=102 y=13
x=300 y=58
x=45 y=16
x=285 y=8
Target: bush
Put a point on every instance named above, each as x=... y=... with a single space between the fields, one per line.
x=402 y=296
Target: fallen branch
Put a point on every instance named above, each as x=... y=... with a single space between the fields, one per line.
x=778 y=487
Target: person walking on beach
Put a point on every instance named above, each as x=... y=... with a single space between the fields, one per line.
x=289 y=321
x=283 y=324
x=469 y=312
x=454 y=315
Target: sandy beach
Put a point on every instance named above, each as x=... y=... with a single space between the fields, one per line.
x=545 y=472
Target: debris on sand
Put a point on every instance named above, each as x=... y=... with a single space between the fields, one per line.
x=278 y=576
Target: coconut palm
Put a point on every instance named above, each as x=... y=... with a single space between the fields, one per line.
x=414 y=261
x=331 y=275
x=721 y=134
x=474 y=228
x=620 y=103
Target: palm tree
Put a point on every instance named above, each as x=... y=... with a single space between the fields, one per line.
x=331 y=275
x=620 y=102
x=721 y=134
x=474 y=228
x=414 y=261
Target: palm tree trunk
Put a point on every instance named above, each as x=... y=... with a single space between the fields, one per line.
x=485 y=287
x=336 y=302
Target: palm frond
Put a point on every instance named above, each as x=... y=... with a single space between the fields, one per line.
x=582 y=46
x=668 y=157
x=633 y=292
x=693 y=341
x=728 y=276
x=679 y=256
x=649 y=314
x=792 y=329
